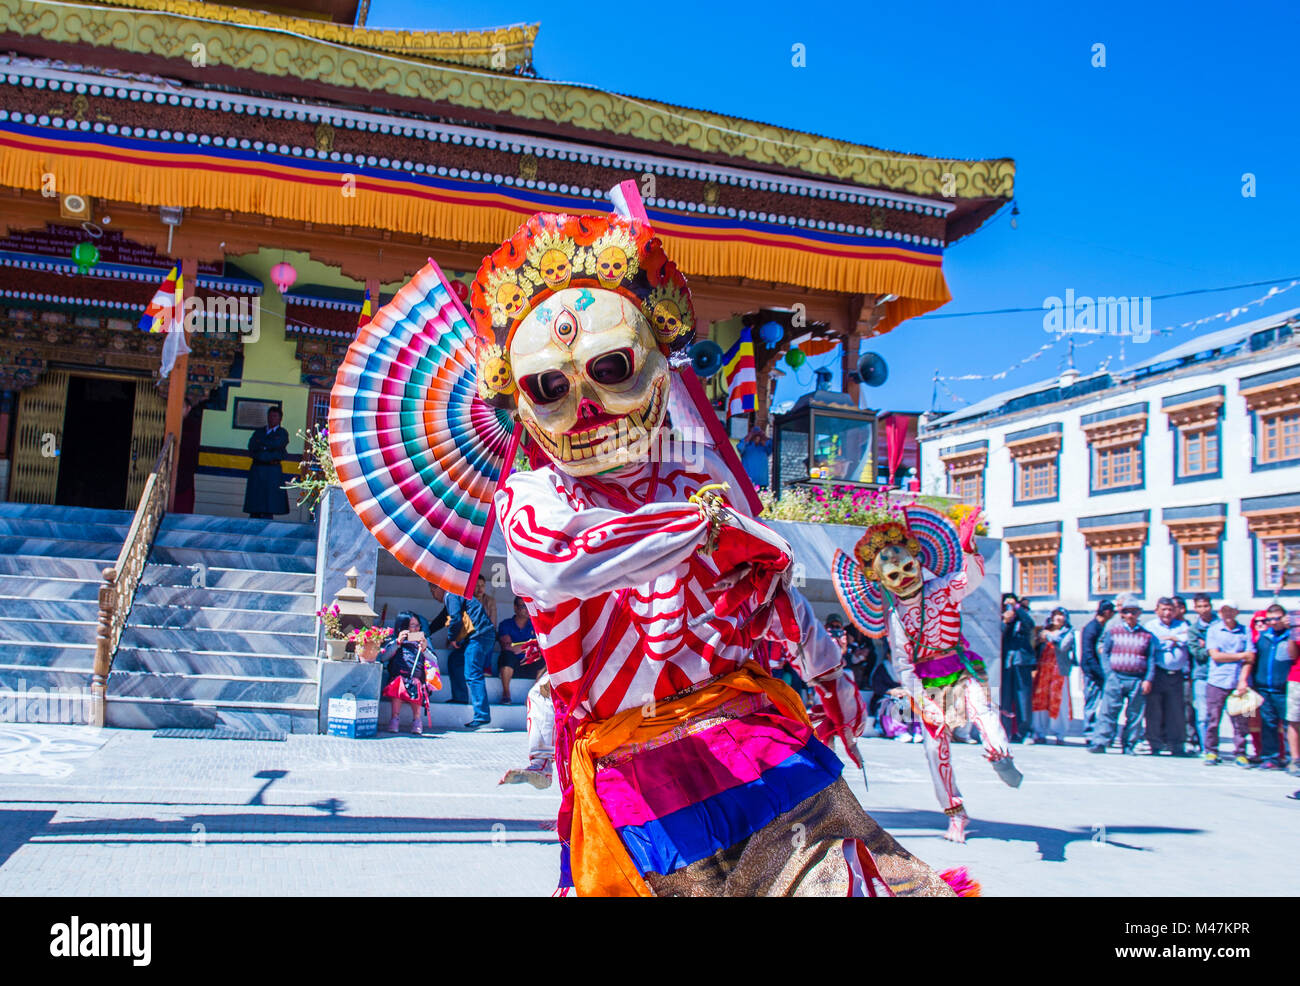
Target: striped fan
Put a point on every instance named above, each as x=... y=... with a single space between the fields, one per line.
x=940 y=542
x=859 y=596
x=418 y=453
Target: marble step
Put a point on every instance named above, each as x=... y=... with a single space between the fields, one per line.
x=45 y=567
x=242 y=580
x=24 y=678
x=231 y=665
x=233 y=641
x=219 y=689
x=123 y=712
x=34 y=587
x=224 y=599
x=49 y=655
x=104 y=552
x=214 y=618
x=257 y=561
x=77 y=515
x=38 y=527
x=253 y=544
x=239 y=526
x=23 y=630
x=59 y=610
x=445 y=716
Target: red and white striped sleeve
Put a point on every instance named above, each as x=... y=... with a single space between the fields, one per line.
x=965 y=582
x=559 y=549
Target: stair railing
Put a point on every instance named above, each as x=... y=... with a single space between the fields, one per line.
x=117 y=593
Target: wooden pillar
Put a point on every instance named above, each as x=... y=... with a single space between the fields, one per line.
x=849 y=364
x=177 y=381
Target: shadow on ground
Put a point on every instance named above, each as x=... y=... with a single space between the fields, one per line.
x=1051 y=842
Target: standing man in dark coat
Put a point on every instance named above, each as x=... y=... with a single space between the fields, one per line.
x=1094 y=681
x=187 y=461
x=264 y=496
x=1018 y=663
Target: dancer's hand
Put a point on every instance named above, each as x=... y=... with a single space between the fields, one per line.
x=966 y=531
x=931 y=714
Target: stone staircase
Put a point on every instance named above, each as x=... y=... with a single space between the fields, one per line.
x=223 y=631
x=52 y=561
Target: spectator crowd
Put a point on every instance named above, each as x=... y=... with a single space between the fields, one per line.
x=1158 y=685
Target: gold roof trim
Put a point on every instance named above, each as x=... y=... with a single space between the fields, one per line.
x=512 y=45
x=254 y=42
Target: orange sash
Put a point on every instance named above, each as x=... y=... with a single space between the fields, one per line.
x=599 y=862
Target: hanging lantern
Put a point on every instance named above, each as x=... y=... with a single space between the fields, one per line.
x=795 y=357
x=283 y=275
x=771 y=332
x=85 y=255
x=460 y=289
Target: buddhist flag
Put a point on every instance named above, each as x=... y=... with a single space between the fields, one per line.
x=157 y=314
x=366 y=311
x=738 y=373
x=175 y=344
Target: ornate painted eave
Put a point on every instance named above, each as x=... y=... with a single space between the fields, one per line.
x=243 y=56
x=502 y=48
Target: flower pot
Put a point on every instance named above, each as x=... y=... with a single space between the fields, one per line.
x=368 y=652
x=336 y=650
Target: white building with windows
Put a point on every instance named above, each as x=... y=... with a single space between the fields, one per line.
x=1178 y=475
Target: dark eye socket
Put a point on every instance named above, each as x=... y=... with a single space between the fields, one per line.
x=547 y=387
x=612 y=367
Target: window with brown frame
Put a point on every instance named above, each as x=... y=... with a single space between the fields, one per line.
x=1199 y=569
x=1037 y=480
x=1199 y=451
x=968 y=487
x=1037 y=576
x=1116 y=466
x=1278 y=563
x=1117 y=571
x=318 y=409
x=1279 y=436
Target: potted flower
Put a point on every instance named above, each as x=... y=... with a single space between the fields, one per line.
x=368 y=640
x=336 y=641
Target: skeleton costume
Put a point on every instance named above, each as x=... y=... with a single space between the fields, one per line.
x=906 y=580
x=684 y=767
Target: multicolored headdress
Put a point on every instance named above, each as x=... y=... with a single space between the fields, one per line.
x=552 y=252
x=923 y=531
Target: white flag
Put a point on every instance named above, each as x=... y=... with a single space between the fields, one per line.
x=174 y=346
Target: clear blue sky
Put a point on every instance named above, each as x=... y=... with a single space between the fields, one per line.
x=1129 y=177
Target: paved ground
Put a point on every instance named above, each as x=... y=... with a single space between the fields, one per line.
x=86 y=812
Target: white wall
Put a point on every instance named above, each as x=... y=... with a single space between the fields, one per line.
x=1160 y=490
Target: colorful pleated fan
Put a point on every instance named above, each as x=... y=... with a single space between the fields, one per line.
x=419 y=455
x=860 y=597
x=940 y=542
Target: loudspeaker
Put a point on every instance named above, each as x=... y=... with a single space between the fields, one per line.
x=706 y=358
x=872 y=370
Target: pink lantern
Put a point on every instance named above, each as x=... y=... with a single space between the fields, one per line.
x=283 y=275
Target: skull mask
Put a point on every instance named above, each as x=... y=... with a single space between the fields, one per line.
x=897 y=570
x=593 y=384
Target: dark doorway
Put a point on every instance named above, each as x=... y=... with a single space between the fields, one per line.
x=96 y=455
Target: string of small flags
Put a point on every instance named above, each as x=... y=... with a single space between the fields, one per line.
x=1229 y=313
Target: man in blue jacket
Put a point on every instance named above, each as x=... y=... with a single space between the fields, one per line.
x=1129 y=652
x=1272 y=666
x=471 y=635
